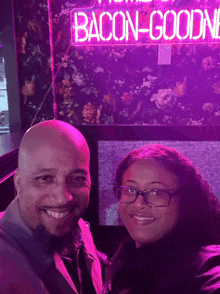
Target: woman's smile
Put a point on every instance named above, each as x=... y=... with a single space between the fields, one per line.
x=147 y=223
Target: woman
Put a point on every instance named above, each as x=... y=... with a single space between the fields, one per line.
x=173 y=222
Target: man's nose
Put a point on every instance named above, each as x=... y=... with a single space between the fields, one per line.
x=62 y=194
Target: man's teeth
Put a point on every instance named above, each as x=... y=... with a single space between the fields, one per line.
x=142 y=218
x=57 y=214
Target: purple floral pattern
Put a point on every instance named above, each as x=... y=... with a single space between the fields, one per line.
x=33 y=57
x=112 y=85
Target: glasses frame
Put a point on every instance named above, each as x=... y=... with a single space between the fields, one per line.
x=171 y=194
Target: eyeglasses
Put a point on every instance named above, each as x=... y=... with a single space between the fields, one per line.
x=154 y=197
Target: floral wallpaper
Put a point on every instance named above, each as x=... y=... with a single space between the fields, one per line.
x=33 y=58
x=111 y=85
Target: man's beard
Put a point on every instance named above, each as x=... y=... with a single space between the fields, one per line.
x=51 y=244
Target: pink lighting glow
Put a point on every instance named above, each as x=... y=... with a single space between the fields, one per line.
x=90 y=26
x=133 y=1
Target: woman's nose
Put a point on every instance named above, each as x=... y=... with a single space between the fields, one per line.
x=140 y=201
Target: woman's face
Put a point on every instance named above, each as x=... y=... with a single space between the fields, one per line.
x=148 y=224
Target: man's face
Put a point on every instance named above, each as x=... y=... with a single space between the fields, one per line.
x=53 y=187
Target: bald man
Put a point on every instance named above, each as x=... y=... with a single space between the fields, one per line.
x=45 y=246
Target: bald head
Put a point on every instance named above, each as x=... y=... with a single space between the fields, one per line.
x=51 y=133
x=53 y=177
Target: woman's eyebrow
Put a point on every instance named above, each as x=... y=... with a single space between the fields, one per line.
x=130 y=181
x=161 y=183
x=153 y=182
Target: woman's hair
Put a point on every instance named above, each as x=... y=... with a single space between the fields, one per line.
x=196 y=197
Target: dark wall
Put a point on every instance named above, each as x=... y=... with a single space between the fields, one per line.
x=7 y=193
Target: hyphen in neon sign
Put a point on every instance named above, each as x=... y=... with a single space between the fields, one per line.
x=123 y=27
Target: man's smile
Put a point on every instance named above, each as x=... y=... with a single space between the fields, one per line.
x=57 y=214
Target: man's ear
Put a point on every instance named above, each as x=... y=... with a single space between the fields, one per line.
x=17 y=181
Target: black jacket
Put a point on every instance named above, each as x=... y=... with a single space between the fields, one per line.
x=181 y=263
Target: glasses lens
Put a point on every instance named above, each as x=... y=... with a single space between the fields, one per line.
x=126 y=194
x=157 y=197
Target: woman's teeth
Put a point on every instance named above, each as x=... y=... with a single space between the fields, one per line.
x=142 y=218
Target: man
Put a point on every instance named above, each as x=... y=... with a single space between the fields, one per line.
x=45 y=246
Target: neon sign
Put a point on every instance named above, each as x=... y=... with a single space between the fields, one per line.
x=127 y=25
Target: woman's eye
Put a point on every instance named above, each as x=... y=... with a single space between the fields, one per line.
x=131 y=190
x=158 y=192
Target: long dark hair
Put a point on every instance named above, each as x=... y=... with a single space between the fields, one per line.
x=197 y=201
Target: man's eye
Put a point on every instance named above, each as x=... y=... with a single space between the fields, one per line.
x=77 y=181
x=44 y=179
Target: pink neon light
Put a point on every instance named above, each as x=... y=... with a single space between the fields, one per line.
x=213 y=28
x=178 y=25
x=134 y=30
x=144 y=1
x=193 y=12
x=114 y=26
x=129 y=1
x=147 y=0
x=93 y=24
x=157 y=27
x=81 y=27
x=218 y=25
x=101 y=25
x=165 y=23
